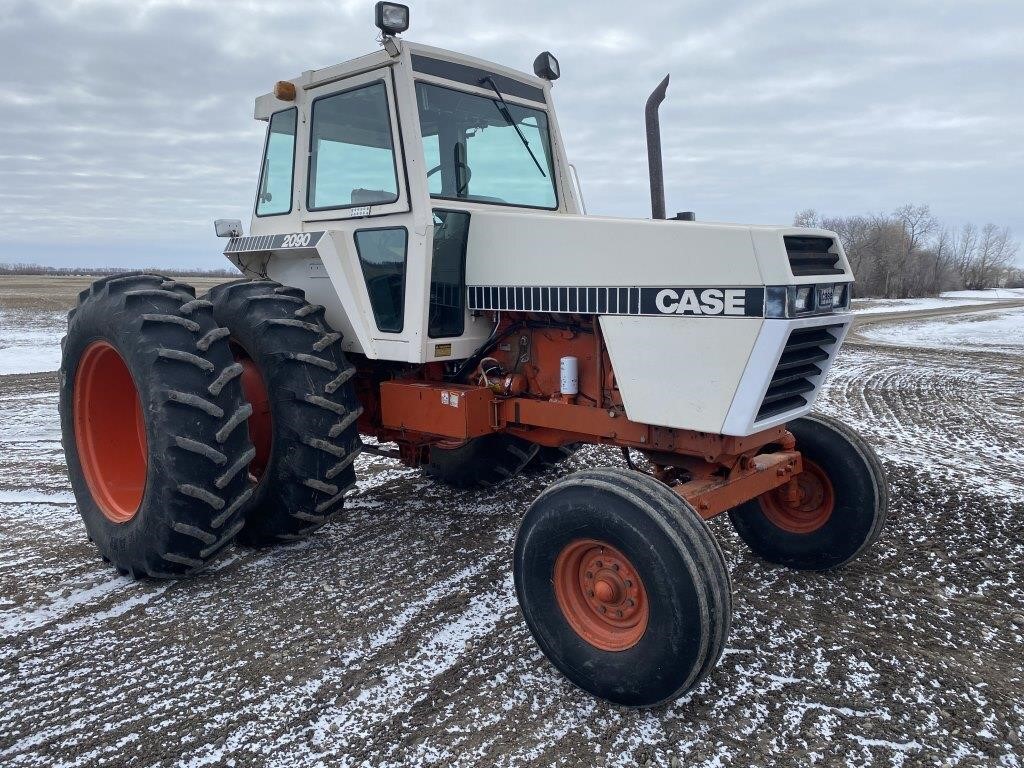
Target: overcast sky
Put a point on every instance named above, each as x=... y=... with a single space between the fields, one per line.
x=126 y=125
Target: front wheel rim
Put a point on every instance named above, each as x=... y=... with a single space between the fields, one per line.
x=601 y=595
x=110 y=432
x=804 y=504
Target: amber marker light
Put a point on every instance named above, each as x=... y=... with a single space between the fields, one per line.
x=284 y=91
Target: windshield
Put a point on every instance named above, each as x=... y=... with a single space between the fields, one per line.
x=473 y=152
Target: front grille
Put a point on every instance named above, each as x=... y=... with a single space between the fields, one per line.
x=799 y=363
x=812 y=255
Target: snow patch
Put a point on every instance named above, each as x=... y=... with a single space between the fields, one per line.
x=990 y=331
x=30 y=342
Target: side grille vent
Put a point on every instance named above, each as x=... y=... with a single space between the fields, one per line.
x=805 y=349
x=810 y=255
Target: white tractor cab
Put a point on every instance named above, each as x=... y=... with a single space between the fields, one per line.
x=391 y=156
x=420 y=271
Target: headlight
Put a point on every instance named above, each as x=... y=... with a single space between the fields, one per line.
x=842 y=299
x=392 y=18
x=802 y=298
x=546 y=66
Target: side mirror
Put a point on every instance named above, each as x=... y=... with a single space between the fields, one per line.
x=228 y=227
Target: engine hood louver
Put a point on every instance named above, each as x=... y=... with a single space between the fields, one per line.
x=812 y=255
x=798 y=371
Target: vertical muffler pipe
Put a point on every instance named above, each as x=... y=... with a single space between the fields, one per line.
x=654 y=164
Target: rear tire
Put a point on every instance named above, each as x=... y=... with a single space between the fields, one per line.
x=617 y=540
x=306 y=408
x=841 y=508
x=152 y=420
x=481 y=461
x=549 y=458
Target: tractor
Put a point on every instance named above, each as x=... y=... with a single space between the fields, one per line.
x=420 y=271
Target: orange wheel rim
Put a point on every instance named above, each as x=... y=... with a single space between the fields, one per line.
x=804 y=504
x=110 y=432
x=601 y=594
x=261 y=427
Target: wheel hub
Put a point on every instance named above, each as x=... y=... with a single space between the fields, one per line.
x=110 y=432
x=601 y=594
x=804 y=504
x=260 y=423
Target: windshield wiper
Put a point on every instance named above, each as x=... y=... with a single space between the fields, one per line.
x=508 y=117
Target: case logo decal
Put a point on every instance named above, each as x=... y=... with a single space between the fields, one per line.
x=732 y=302
x=710 y=301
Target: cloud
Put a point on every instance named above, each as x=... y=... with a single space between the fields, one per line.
x=126 y=125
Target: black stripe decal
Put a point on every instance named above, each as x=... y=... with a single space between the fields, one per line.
x=619 y=300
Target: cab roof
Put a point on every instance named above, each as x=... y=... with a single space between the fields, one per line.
x=425 y=60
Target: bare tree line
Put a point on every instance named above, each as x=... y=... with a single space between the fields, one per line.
x=908 y=253
x=39 y=269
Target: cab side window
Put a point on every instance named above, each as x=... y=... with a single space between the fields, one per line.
x=275 y=191
x=382 y=257
x=448 y=275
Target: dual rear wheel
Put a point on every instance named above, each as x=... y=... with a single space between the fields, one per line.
x=189 y=422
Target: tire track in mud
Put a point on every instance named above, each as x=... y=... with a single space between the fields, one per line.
x=391 y=638
x=957 y=412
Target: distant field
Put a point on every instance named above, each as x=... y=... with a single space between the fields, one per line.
x=61 y=291
x=943 y=301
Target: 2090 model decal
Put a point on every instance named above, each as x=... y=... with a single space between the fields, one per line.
x=618 y=300
x=288 y=241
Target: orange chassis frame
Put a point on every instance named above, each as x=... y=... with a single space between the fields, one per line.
x=714 y=473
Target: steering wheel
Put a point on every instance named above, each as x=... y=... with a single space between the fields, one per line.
x=467 y=174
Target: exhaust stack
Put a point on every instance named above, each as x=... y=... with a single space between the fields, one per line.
x=654 y=164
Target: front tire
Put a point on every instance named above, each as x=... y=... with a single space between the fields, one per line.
x=152 y=420
x=838 y=507
x=623 y=586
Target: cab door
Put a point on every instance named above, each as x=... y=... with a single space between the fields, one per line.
x=356 y=188
x=354 y=166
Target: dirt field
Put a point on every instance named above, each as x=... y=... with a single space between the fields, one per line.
x=393 y=637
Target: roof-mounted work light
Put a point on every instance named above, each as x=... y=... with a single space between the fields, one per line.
x=546 y=66
x=391 y=18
